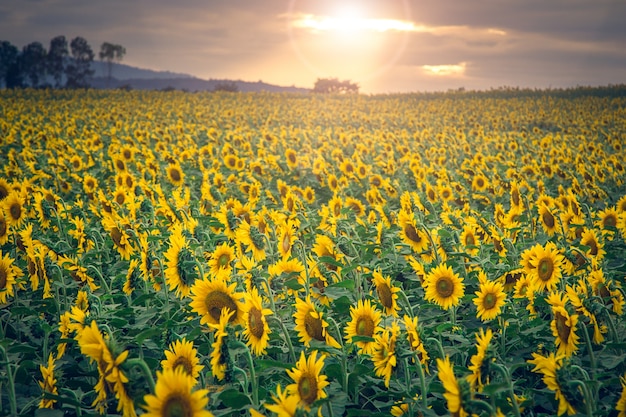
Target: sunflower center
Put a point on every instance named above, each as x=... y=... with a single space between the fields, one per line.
x=286 y=243
x=562 y=328
x=470 y=240
x=610 y=221
x=215 y=301
x=120 y=165
x=411 y=232
x=3 y=278
x=116 y=235
x=175 y=174
x=365 y=326
x=184 y=363
x=593 y=247
x=177 y=406
x=445 y=287
x=255 y=323
x=3 y=227
x=224 y=259
x=3 y=192
x=489 y=301
x=385 y=295
x=545 y=268
x=515 y=197
x=548 y=219
x=307 y=388
x=15 y=210
x=314 y=327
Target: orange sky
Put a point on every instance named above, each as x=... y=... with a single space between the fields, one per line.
x=385 y=46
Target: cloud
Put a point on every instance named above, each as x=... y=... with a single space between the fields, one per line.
x=445 y=70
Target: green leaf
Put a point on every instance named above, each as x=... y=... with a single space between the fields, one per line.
x=234 y=399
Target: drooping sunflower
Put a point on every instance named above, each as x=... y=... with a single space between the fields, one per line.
x=174 y=396
x=220 y=261
x=48 y=384
x=387 y=293
x=550 y=367
x=8 y=275
x=286 y=237
x=210 y=297
x=548 y=220
x=14 y=210
x=365 y=321
x=325 y=247
x=415 y=342
x=444 y=287
x=578 y=295
x=311 y=325
x=490 y=299
x=384 y=352
x=309 y=383
x=117 y=228
x=595 y=245
x=452 y=387
x=543 y=266
x=182 y=354
x=180 y=265
x=5 y=189
x=253 y=239
x=285 y=404
x=220 y=357
x=410 y=233
x=481 y=360
x=256 y=330
x=563 y=327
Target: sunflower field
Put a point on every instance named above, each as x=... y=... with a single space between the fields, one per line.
x=232 y=254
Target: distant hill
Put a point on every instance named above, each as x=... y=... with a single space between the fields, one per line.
x=125 y=76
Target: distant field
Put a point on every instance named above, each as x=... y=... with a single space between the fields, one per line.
x=293 y=254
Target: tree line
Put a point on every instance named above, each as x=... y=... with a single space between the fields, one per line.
x=63 y=65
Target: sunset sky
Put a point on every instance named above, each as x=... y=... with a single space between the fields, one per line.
x=385 y=45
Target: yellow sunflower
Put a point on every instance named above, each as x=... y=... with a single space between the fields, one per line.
x=175 y=174
x=621 y=402
x=550 y=366
x=384 y=352
x=595 y=245
x=48 y=384
x=256 y=331
x=14 y=210
x=543 y=265
x=285 y=404
x=481 y=360
x=117 y=228
x=548 y=220
x=286 y=237
x=210 y=297
x=182 y=354
x=5 y=189
x=490 y=299
x=4 y=228
x=325 y=247
x=180 y=265
x=608 y=221
x=8 y=275
x=563 y=327
x=444 y=287
x=253 y=239
x=387 y=293
x=410 y=234
x=291 y=156
x=311 y=325
x=174 y=396
x=219 y=350
x=365 y=322
x=469 y=239
x=309 y=383
x=221 y=260
x=451 y=386
x=415 y=342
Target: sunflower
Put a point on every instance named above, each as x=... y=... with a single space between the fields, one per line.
x=595 y=245
x=256 y=331
x=308 y=383
x=220 y=358
x=285 y=404
x=48 y=385
x=608 y=221
x=387 y=293
x=451 y=385
x=490 y=299
x=5 y=189
x=469 y=239
x=175 y=174
x=174 y=396
x=14 y=209
x=286 y=237
x=46 y=206
x=415 y=342
x=578 y=295
x=551 y=366
x=311 y=325
x=444 y=287
x=325 y=247
x=410 y=234
x=117 y=229
x=563 y=327
x=384 y=352
x=182 y=354
x=481 y=360
x=365 y=321
x=8 y=275
x=621 y=402
x=4 y=228
x=180 y=265
x=220 y=261
x=543 y=266
x=210 y=297
x=480 y=183
x=291 y=156
x=253 y=239
x=548 y=220
x=356 y=206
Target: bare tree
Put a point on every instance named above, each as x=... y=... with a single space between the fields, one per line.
x=111 y=52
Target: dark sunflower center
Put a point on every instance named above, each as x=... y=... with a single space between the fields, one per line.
x=4 y=192
x=215 y=301
x=116 y=235
x=3 y=227
x=445 y=287
x=545 y=268
x=292 y=157
x=15 y=210
x=120 y=198
x=610 y=221
x=120 y=165
x=515 y=197
x=286 y=243
x=489 y=301
x=411 y=232
x=562 y=328
x=497 y=244
x=255 y=323
x=307 y=388
x=470 y=240
x=223 y=260
x=177 y=406
x=313 y=327
x=365 y=326
x=548 y=219
x=385 y=295
x=3 y=278
x=175 y=174
x=480 y=182
x=185 y=363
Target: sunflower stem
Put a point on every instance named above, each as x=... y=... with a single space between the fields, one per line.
x=344 y=364
x=292 y=353
x=408 y=303
x=592 y=358
x=586 y=394
x=11 y=383
x=407 y=377
x=439 y=346
x=504 y=371
x=143 y=366
x=420 y=371
x=253 y=380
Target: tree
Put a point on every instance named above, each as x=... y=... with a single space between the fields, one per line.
x=8 y=60
x=111 y=52
x=33 y=62
x=57 y=55
x=333 y=85
x=79 y=70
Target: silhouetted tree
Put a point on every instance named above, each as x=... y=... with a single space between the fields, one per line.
x=33 y=62
x=110 y=52
x=79 y=70
x=333 y=85
x=8 y=59
x=229 y=86
x=57 y=55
